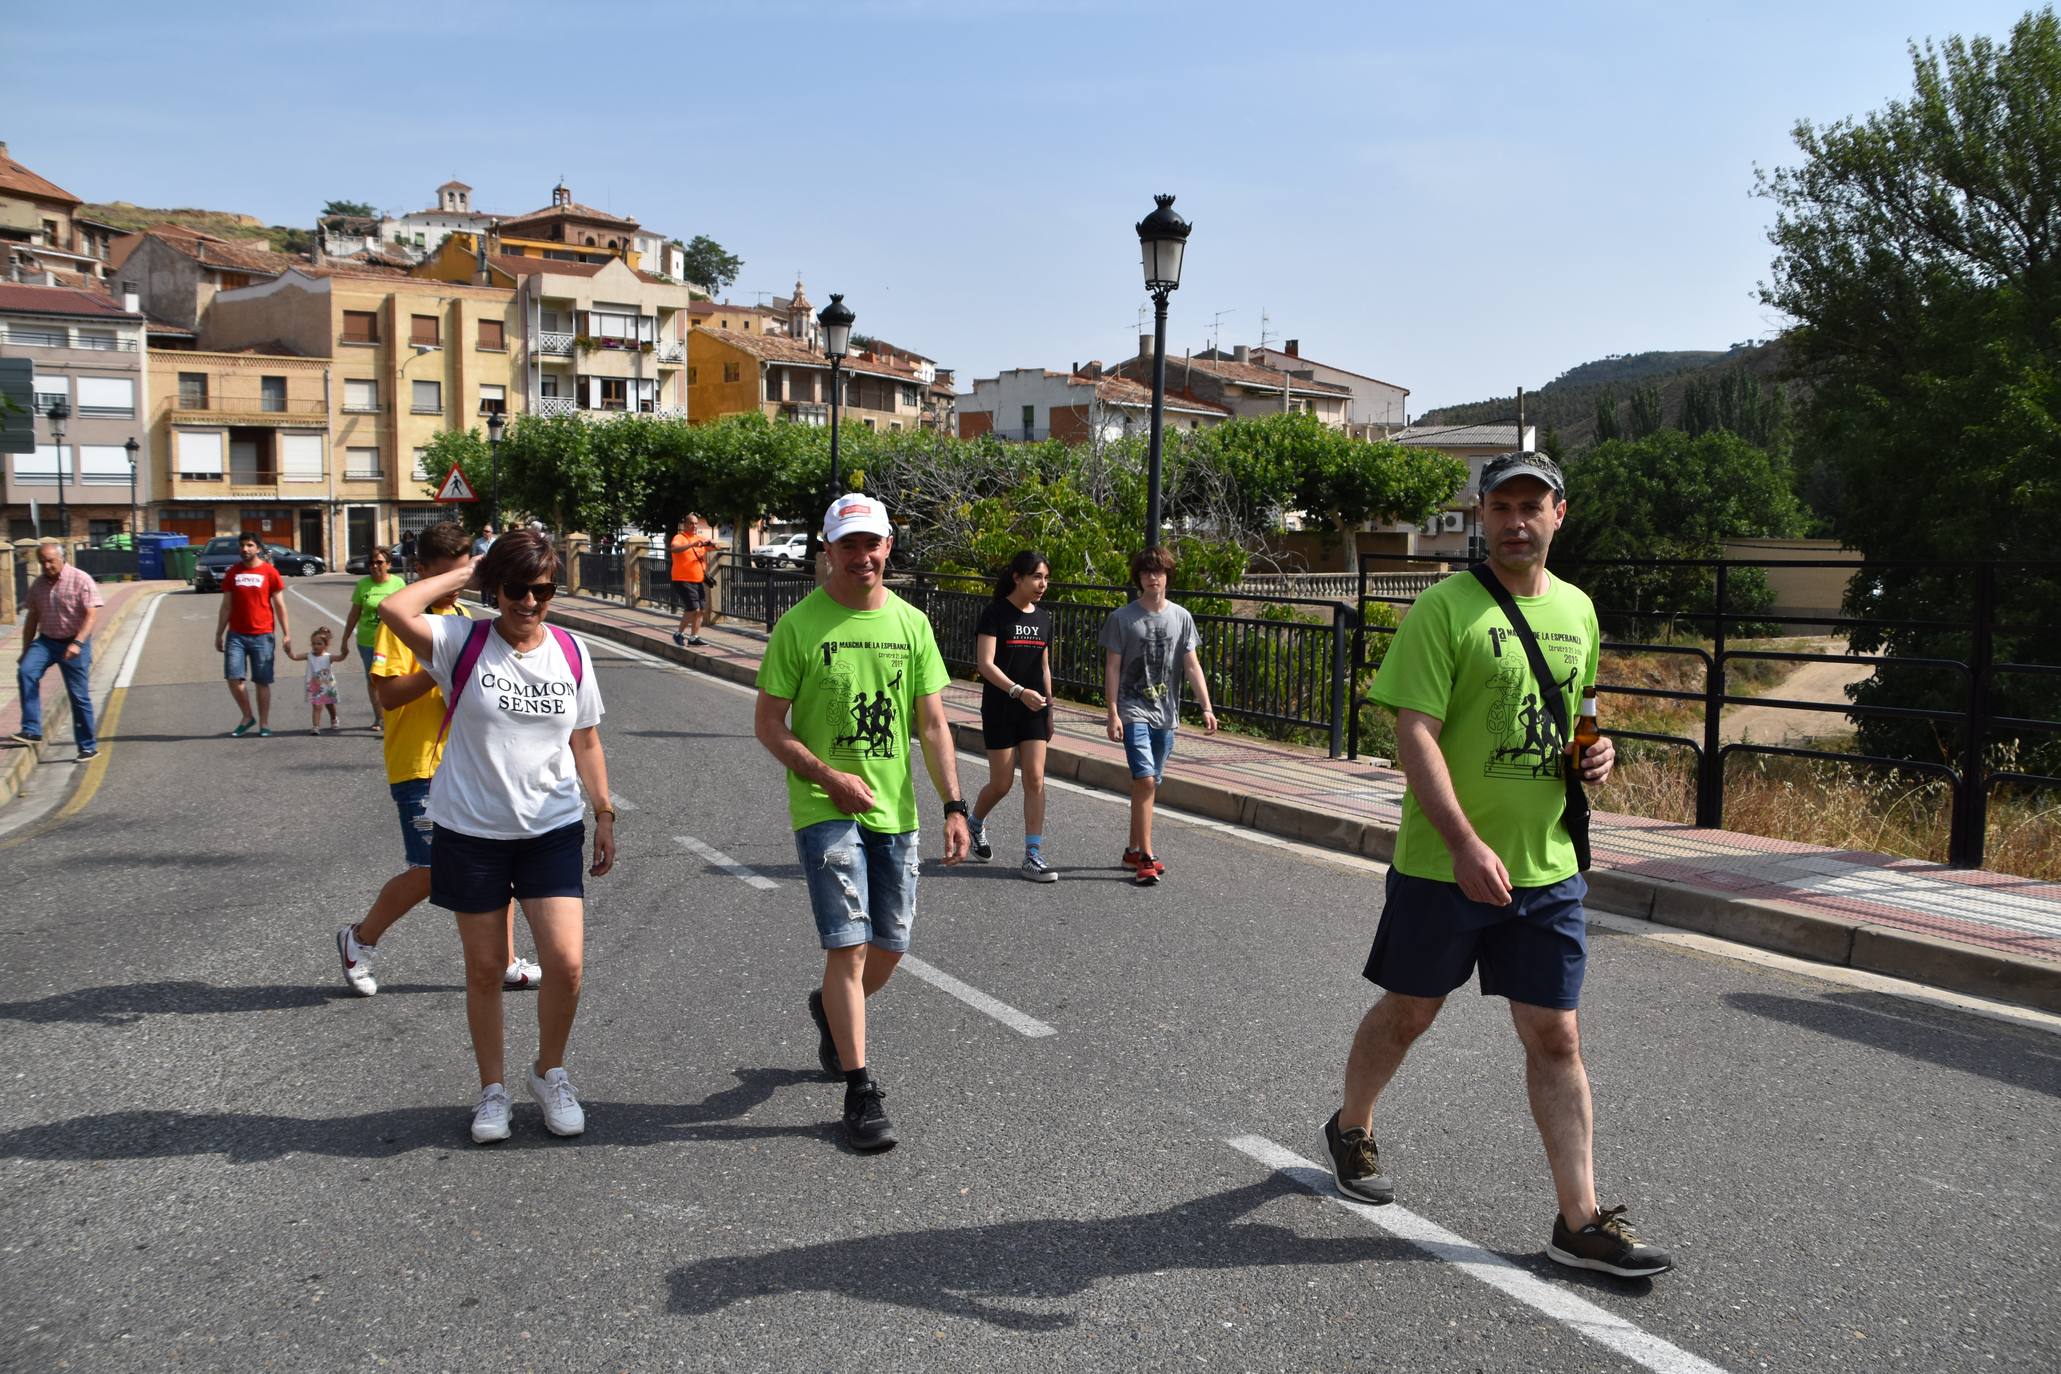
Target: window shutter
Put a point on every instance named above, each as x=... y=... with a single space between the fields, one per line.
x=200 y=453
x=300 y=457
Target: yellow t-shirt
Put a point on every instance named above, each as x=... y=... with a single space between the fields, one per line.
x=412 y=747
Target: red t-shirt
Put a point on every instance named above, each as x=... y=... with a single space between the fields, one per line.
x=250 y=592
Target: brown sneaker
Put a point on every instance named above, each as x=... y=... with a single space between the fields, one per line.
x=1607 y=1244
x=1356 y=1164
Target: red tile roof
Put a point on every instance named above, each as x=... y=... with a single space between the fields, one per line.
x=575 y=210
x=1122 y=391
x=61 y=300
x=778 y=348
x=225 y=255
x=23 y=182
x=516 y=265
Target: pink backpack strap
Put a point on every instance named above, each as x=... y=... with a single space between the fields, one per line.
x=468 y=654
x=570 y=647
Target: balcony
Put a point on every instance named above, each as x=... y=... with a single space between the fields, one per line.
x=554 y=344
x=557 y=405
x=672 y=354
x=238 y=405
x=567 y=405
x=61 y=338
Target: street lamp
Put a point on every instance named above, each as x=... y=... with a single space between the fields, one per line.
x=60 y=411
x=494 y=423
x=836 y=319
x=135 y=526
x=1163 y=238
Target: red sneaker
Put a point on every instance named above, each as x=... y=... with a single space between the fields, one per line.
x=1131 y=857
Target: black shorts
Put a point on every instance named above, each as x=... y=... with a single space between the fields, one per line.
x=467 y=873
x=690 y=596
x=1432 y=936
x=1004 y=724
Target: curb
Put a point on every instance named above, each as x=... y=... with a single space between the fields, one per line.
x=16 y=773
x=1775 y=926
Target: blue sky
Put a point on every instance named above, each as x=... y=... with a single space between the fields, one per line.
x=1459 y=198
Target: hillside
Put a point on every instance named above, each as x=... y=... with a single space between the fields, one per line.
x=1568 y=402
x=221 y=223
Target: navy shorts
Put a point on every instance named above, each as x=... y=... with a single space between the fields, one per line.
x=1432 y=936
x=467 y=873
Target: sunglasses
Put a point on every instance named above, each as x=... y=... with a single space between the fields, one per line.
x=516 y=591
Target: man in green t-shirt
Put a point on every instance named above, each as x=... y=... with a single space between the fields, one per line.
x=844 y=673
x=1484 y=872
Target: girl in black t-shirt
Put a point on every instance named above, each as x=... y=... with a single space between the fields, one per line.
x=1012 y=651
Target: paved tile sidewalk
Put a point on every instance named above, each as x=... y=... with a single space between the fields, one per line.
x=2020 y=917
x=57 y=712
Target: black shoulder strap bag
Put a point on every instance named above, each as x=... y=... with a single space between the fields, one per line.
x=1576 y=814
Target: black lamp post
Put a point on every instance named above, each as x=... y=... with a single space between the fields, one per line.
x=494 y=423
x=135 y=526
x=60 y=411
x=1162 y=236
x=836 y=319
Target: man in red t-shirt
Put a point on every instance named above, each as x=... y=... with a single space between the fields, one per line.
x=253 y=601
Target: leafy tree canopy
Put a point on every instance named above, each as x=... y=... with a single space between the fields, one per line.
x=357 y=208
x=709 y=265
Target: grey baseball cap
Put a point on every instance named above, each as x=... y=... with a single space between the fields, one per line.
x=1505 y=466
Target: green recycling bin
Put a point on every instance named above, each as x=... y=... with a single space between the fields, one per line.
x=181 y=562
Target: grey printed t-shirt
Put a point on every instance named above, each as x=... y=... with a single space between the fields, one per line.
x=1148 y=686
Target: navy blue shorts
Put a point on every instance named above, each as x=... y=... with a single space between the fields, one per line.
x=1432 y=936
x=467 y=873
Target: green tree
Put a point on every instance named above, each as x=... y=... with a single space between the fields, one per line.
x=1607 y=427
x=1646 y=413
x=709 y=265
x=357 y=208
x=1916 y=250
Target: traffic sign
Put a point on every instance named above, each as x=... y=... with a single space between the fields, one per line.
x=455 y=488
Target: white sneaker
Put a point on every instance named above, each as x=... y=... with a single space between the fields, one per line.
x=490 y=1117
x=554 y=1093
x=357 y=961
x=522 y=974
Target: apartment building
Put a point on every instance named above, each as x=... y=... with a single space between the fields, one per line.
x=240 y=441
x=405 y=358
x=1377 y=407
x=87 y=352
x=1030 y=404
x=44 y=240
x=1241 y=386
x=733 y=373
x=177 y=272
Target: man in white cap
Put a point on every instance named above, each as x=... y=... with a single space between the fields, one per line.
x=844 y=673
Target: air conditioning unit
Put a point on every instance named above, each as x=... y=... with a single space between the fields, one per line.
x=1452 y=521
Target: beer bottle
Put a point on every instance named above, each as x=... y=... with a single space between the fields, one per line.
x=1585 y=731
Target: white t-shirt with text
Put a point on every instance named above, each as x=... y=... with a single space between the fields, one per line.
x=508 y=772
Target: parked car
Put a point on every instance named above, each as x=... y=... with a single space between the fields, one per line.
x=296 y=562
x=225 y=551
x=791 y=552
x=357 y=567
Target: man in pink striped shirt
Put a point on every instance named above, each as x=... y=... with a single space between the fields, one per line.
x=63 y=604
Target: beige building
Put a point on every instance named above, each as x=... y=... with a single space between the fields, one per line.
x=87 y=353
x=735 y=373
x=404 y=359
x=44 y=240
x=1241 y=386
x=240 y=441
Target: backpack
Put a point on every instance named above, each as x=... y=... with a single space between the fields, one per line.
x=476 y=643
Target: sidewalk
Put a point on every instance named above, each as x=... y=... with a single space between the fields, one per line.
x=17 y=762
x=1988 y=934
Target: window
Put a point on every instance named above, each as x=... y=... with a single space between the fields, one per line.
x=272 y=394
x=300 y=457
x=193 y=391
x=100 y=531
x=103 y=465
x=615 y=393
x=361 y=395
x=42 y=465
x=49 y=391
x=422 y=329
x=733 y=372
x=361 y=464
x=690 y=374
x=493 y=400
x=421 y=472
x=1030 y=421
x=426 y=398
x=909 y=398
x=490 y=335
x=776 y=385
x=361 y=327
x=200 y=455
x=870 y=423
x=547 y=386
x=107 y=398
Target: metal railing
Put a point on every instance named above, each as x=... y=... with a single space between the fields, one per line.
x=557 y=405
x=555 y=343
x=601 y=574
x=1971 y=778
x=105 y=563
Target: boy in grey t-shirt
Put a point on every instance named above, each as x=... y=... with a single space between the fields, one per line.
x=1148 y=645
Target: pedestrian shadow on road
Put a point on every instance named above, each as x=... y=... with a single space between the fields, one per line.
x=683 y=734
x=255 y=1138
x=994 y=1273
x=2022 y=1059
x=124 y=1004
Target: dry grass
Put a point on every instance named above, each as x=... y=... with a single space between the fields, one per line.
x=1839 y=806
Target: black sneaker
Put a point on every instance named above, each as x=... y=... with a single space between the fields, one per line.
x=1146 y=874
x=27 y=741
x=1607 y=1244
x=679 y=640
x=866 y=1125
x=982 y=850
x=826 y=1047
x=1356 y=1164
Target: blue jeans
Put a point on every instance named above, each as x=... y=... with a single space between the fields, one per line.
x=862 y=884
x=1146 y=748
x=78 y=674
x=248 y=656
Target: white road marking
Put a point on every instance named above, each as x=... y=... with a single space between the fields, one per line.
x=135 y=654
x=320 y=609
x=1027 y=1026
x=620 y=802
x=1579 y=1314
x=723 y=861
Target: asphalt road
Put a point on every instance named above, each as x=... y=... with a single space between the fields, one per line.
x=212 y=1155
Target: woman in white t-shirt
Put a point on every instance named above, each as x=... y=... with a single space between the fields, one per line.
x=521 y=747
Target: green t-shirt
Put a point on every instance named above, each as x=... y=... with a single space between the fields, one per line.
x=854 y=678
x=366 y=596
x=1455 y=657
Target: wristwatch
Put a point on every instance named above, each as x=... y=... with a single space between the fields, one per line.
x=955 y=807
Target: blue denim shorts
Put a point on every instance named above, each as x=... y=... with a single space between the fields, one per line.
x=468 y=874
x=1146 y=748
x=365 y=652
x=411 y=798
x=862 y=884
x=247 y=652
x=1432 y=936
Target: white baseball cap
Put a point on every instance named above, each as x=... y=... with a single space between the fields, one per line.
x=855 y=513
